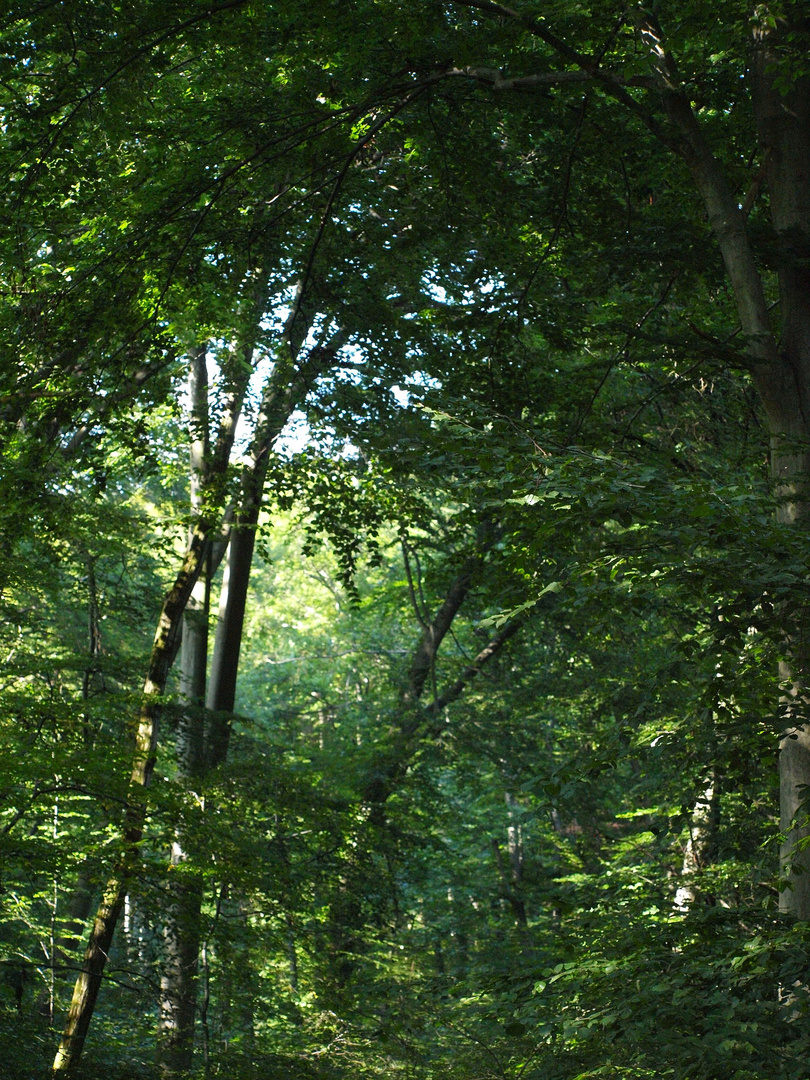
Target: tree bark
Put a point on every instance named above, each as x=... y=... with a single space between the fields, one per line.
x=794 y=811
x=221 y=695
x=783 y=122
x=700 y=846
x=181 y=929
x=194 y=648
x=198 y=750
x=93 y=668
x=178 y=978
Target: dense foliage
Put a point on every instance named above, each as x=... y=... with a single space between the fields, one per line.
x=423 y=321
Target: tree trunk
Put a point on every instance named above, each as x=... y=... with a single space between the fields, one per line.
x=88 y=983
x=415 y=726
x=414 y=722
x=181 y=930
x=783 y=125
x=779 y=364
x=93 y=668
x=199 y=751
x=783 y=122
x=194 y=648
x=794 y=812
x=511 y=873
x=699 y=850
x=178 y=978
x=221 y=696
x=514 y=837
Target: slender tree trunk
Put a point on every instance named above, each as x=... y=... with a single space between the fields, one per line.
x=221 y=696
x=194 y=648
x=458 y=932
x=511 y=872
x=181 y=930
x=413 y=721
x=783 y=121
x=413 y=726
x=292 y=953
x=199 y=751
x=178 y=979
x=94 y=641
x=206 y=976
x=514 y=840
x=794 y=811
x=700 y=846
x=279 y=401
x=416 y=725
x=77 y=909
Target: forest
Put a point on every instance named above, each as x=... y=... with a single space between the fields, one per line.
x=405 y=425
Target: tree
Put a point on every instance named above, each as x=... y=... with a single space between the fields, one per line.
x=678 y=99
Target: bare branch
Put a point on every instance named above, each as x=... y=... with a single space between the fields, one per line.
x=456 y=689
x=497 y=81
x=435 y=632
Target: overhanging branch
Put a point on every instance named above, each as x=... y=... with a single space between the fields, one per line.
x=590 y=66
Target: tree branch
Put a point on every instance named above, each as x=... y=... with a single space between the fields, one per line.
x=613 y=83
x=456 y=689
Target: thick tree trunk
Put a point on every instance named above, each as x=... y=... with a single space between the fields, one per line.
x=783 y=124
x=779 y=363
